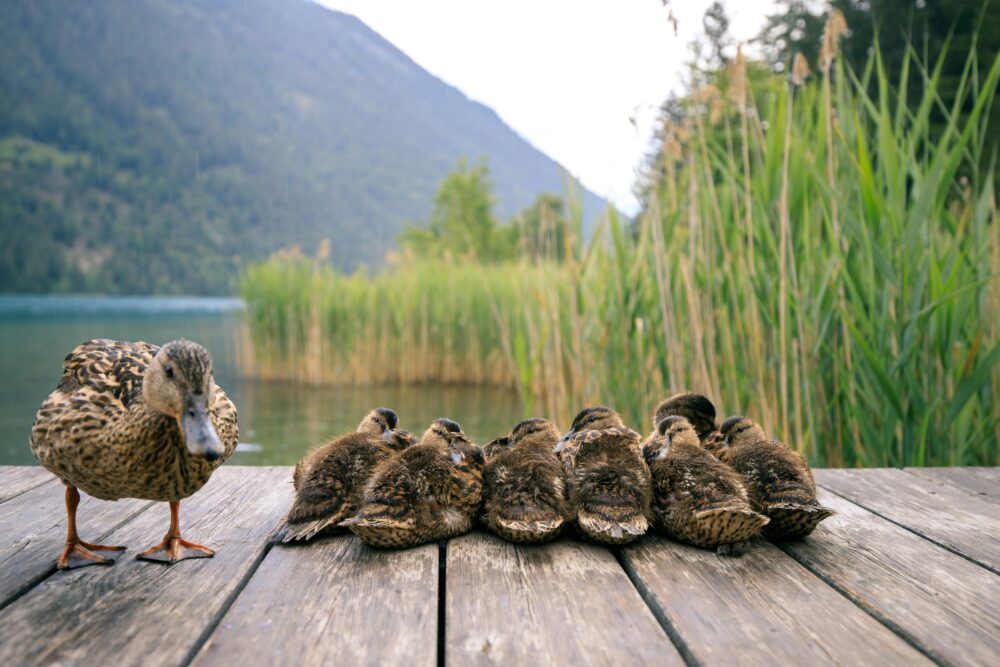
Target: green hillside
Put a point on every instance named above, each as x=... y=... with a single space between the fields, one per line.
x=154 y=145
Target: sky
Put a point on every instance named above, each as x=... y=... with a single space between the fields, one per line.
x=568 y=75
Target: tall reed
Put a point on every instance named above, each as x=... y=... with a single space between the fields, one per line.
x=829 y=266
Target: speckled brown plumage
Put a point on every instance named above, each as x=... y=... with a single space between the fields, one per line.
x=330 y=480
x=526 y=494
x=431 y=491
x=496 y=446
x=97 y=433
x=132 y=420
x=778 y=480
x=604 y=463
x=696 y=408
x=696 y=498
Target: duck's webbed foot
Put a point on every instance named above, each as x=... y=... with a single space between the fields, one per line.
x=173 y=547
x=733 y=549
x=81 y=554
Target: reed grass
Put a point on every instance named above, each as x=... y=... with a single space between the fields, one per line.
x=815 y=256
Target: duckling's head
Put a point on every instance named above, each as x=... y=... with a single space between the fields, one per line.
x=534 y=431
x=378 y=421
x=497 y=445
x=696 y=408
x=441 y=432
x=399 y=439
x=178 y=383
x=738 y=431
x=591 y=419
x=676 y=431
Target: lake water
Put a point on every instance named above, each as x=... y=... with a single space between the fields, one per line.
x=278 y=422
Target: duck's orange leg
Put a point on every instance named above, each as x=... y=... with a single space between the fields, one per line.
x=173 y=547
x=77 y=552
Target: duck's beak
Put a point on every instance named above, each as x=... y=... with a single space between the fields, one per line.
x=563 y=440
x=199 y=434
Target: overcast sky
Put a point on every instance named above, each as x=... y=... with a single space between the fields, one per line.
x=565 y=74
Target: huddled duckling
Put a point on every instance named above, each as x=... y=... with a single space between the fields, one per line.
x=330 y=479
x=604 y=463
x=778 y=480
x=696 y=408
x=495 y=447
x=696 y=498
x=526 y=495
x=133 y=420
x=431 y=491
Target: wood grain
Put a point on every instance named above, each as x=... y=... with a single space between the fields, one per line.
x=33 y=532
x=940 y=512
x=137 y=612
x=983 y=483
x=564 y=603
x=942 y=603
x=15 y=480
x=759 y=609
x=333 y=602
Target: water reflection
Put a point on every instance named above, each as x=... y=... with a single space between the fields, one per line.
x=278 y=422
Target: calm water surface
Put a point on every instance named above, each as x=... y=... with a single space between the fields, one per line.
x=278 y=422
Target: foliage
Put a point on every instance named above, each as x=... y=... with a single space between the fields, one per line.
x=150 y=146
x=809 y=256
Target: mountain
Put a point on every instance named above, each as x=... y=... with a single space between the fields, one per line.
x=153 y=146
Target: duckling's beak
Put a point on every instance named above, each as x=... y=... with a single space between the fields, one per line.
x=199 y=434
x=563 y=440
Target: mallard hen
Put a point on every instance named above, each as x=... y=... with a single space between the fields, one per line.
x=133 y=420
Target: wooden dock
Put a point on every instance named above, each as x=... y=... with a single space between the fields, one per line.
x=908 y=572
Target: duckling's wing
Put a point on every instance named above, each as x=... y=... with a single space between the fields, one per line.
x=224 y=418
x=614 y=487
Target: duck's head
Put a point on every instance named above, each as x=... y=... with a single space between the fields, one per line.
x=179 y=384
x=534 y=431
x=442 y=431
x=675 y=430
x=399 y=439
x=738 y=431
x=696 y=408
x=591 y=419
x=378 y=421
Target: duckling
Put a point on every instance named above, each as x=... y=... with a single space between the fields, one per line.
x=696 y=408
x=496 y=446
x=604 y=463
x=778 y=480
x=431 y=491
x=696 y=498
x=526 y=496
x=329 y=480
x=133 y=420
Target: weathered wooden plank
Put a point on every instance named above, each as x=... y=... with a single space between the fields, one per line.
x=941 y=602
x=983 y=483
x=33 y=532
x=941 y=513
x=560 y=603
x=333 y=602
x=15 y=480
x=759 y=609
x=137 y=612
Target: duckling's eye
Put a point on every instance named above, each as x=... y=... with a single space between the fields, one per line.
x=169 y=370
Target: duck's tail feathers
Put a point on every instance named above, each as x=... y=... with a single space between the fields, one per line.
x=305 y=530
x=525 y=530
x=383 y=531
x=612 y=524
x=726 y=525
x=791 y=521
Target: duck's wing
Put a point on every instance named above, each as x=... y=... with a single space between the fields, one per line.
x=110 y=367
x=224 y=418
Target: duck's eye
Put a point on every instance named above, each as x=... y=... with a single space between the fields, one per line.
x=169 y=370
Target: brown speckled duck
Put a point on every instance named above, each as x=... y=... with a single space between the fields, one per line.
x=604 y=463
x=133 y=420
x=778 y=480
x=431 y=491
x=330 y=479
x=696 y=498
x=526 y=495
x=696 y=408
